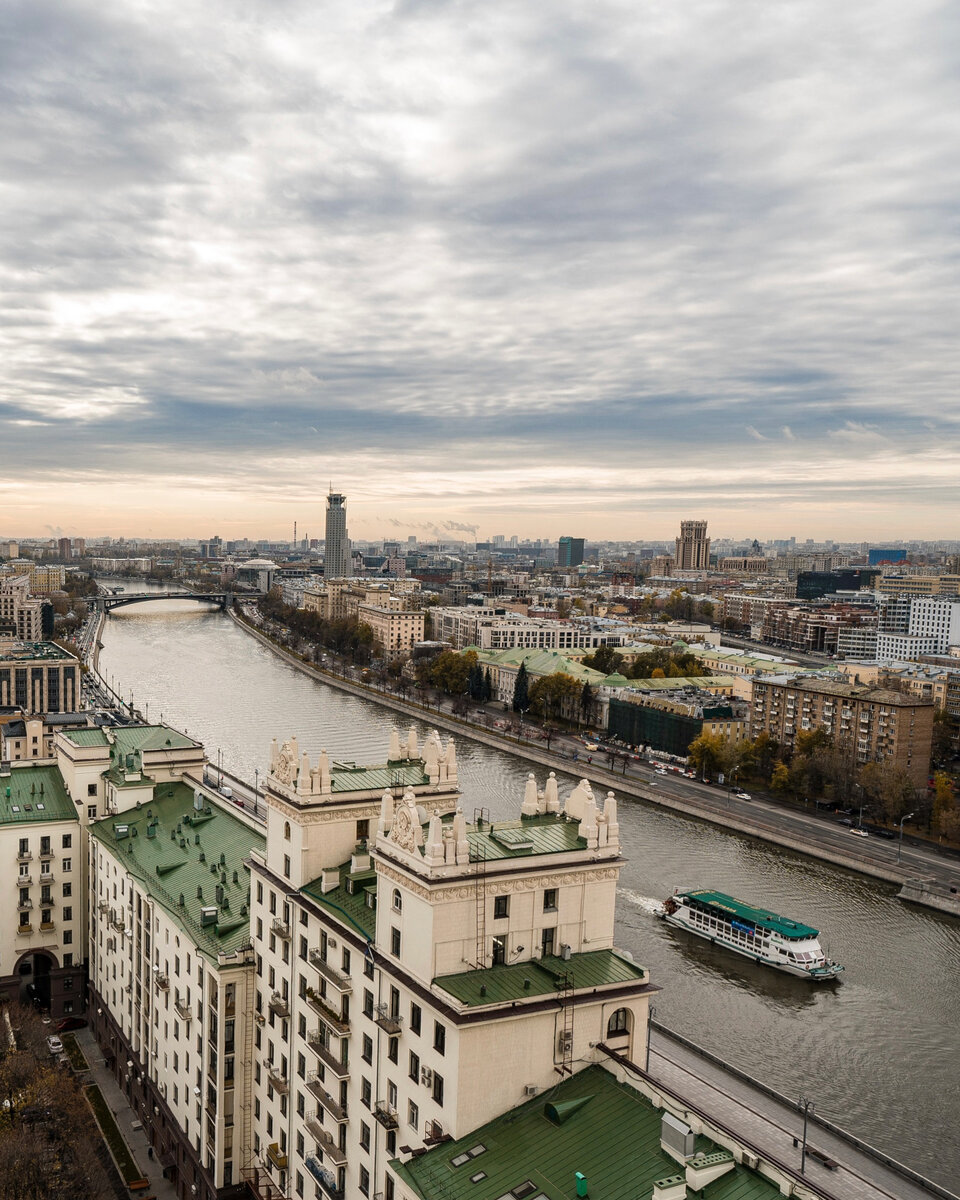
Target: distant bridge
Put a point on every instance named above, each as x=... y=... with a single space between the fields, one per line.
x=106 y=603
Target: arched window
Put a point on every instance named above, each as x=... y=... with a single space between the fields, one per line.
x=286 y=831
x=397 y=901
x=618 y=1022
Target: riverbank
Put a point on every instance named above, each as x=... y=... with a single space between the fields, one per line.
x=749 y=823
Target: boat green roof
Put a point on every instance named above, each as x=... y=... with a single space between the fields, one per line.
x=169 y=864
x=352 y=908
x=606 y=1130
x=34 y=793
x=543 y=977
x=759 y=916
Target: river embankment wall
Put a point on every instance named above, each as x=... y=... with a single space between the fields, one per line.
x=609 y=780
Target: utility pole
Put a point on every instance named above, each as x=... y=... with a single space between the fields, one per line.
x=806 y=1107
x=651 y=1013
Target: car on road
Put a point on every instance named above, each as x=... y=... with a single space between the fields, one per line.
x=859 y=832
x=743 y=795
x=885 y=833
x=659 y=770
x=69 y=1023
x=54 y=1045
x=844 y=821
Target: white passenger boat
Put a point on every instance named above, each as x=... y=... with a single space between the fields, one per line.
x=755 y=933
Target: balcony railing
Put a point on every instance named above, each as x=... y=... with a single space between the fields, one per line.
x=162 y=981
x=337 y=1022
x=315 y=1041
x=320 y=1093
x=46 y=877
x=327 y=1181
x=277 y=1079
x=340 y=981
x=330 y=1148
x=183 y=1009
x=25 y=904
x=386 y=1115
x=45 y=855
x=24 y=880
x=276 y=1156
x=47 y=926
x=389 y=1021
x=22 y=930
x=279 y=1005
x=24 y=856
x=280 y=928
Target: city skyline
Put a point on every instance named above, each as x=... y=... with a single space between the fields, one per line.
x=611 y=268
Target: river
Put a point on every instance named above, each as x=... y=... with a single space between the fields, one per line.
x=878 y=1054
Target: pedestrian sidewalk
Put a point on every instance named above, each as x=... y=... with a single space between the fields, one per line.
x=137 y=1140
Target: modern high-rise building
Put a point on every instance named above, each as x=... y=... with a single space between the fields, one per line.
x=336 y=557
x=570 y=552
x=693 y=546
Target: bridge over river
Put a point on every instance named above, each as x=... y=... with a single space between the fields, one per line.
x=108 y=602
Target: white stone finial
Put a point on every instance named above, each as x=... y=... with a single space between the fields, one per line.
x=323 y=766
x=413 y=750
x=385 y=823
x=451 y=760
x=588 y=823
x=303 y=775
x=529 y=806
x=577 y=800
x=551 y=794
x=274 y=753
x=394 y=754
x=433 y=854
x=460 y=833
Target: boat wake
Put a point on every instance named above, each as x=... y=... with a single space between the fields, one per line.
x=649 y=904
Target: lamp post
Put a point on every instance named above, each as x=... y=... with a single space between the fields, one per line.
x=256 y=787
x=900 y=842
x=806 y=1107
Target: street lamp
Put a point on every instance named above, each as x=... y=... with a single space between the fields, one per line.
x=900 y=842
x=806 y=1107
x=256 y=787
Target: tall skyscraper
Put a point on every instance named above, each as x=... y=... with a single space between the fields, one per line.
x=693 y=546
x=570 y=552
x=336 y=555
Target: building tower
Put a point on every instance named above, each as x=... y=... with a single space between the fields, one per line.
x=336 y=559
x=570 y=552
x=693 y=546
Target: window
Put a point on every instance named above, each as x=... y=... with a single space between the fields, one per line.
x=546 y=942
x=68 y=937
x=439 y=1037
x=397 y=900
x=67 y=841
x=365 y=1093
x=363 y=830
x=91 y=789
x=415 y=1017
x=366 y=1053
x=367 y=1003
x=68 y=889
x=68 y=864
x=393 y=1049
x=365 y=1181
x=414 y=1067
x=91 y=812
x=438 y=1089
x=501 y=907
x=413 y=1115
x=617 y=1023
x=550 y=900
x=68 y=913
x=395 y=942
x=499 y=950
x=286 y=831
x=364 y=1136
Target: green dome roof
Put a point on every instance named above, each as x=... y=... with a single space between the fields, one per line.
x=616 y=680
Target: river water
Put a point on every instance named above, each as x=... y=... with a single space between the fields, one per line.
x=878 y=1054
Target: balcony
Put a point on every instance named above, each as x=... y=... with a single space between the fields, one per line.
x=386 y=1115
x=319 y=1093
x=46 y=877
x=117 y=921
x=278 y=1080
x=276 y=1156
x=329 y=1147
x=333 y=1064
x=278 y=1004
x=280 y=928
x=326 y=1180
x=25 y=904
x=389 y=1022
x=336 y=1021
x=45 y=854
x=162 y=981
x=315 y=1128
x=24 y=856
x=47 y=926
x=183 y=1010
x=23 y=930
x=340 y=981
x=24 y=880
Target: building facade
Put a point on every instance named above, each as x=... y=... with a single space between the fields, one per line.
x=38 y=677
x=570 y=552
x=871 y=724
x=913 y=626
x=336 y=554
x=692 y=547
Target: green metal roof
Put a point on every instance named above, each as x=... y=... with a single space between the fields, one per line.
x=16 y=650
x=759 y=916
x=520 y=981
x=351 y=908
x=169 y=864
x=550 y=834
x=34 y=793
x=129 y=738
x=612 y=1136
x=345 y=777
x=541 y=662
x=86 y=737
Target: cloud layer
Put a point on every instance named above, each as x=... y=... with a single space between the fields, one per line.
x=498 y=264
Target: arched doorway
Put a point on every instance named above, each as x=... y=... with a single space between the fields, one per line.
x=33 y=970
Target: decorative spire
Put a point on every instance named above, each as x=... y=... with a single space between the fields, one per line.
x=551 y=794
x=529 y=806
x=451 y=761
x=433 y=851
x=394 y=754
x=412 y=744
x=460 y=834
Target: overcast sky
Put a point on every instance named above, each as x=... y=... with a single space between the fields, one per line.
x=535 y=268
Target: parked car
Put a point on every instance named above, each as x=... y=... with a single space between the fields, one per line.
x=743 y=795
x=859 y=832
x=69 y=1023
x=54 y=1045
x=844 y=821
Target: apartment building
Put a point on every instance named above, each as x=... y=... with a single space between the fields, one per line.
x=913 y=626
x=338 y=599
x=745 y=611
x=692 y=551
x=919 y=585
x=41 y=941
x=38 y=677
x=22 y=616
x=397 y=630
x=172 y=978
x=814 y=629
x=670 y=720
x=872 y=724
x=404 y=955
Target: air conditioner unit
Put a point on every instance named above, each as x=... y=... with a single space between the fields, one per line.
x=750 y=1160
x=564 y=1042
x=530 y=1089
x=426 y=1076
x=332 y=943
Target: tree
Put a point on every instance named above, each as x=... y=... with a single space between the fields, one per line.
x=944 y=815
x=451 y=671
x=521 y=690
x=780 y=779
x=604 y=659
x=548 y=693
x=586 y=702
x=711 y=753
x=487 y=686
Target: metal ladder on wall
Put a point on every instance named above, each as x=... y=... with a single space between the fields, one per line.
x=565 y=1024
x=480 y=815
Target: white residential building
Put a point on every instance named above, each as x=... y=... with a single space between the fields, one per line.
x=912 y=626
